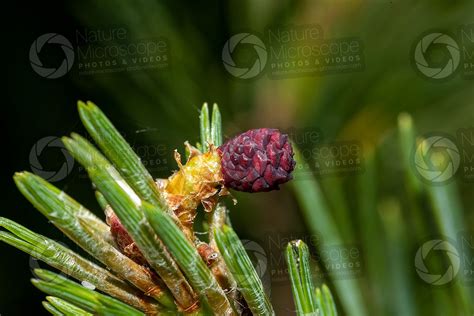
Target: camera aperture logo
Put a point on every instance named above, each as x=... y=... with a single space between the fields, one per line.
x=242 y=71
x=436 y=159
x=294 y=51
x=438 y=55
x=100 y=51
x=39 y=66
x=39 y=149
x=435 y=278
x=437 y=70
x=440 y=261
x=258 y=258
x=439 y=157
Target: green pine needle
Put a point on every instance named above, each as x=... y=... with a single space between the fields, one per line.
x=119 y=152
x=206 y=137
x=446 y=207
x=66 y=308
x=216 y=126
x=319 y=219
x=101 y=200
x=297 y=258
x=325 y=302
x=51 y=309
x=242 y=270
x=211 y=127
x=89 y=300
x=189 y=260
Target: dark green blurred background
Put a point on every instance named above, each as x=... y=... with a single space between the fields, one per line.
x=160 y=107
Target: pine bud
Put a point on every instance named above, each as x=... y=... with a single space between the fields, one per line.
x=258 y=160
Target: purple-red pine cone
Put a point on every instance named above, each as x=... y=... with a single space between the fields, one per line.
x=258 y=160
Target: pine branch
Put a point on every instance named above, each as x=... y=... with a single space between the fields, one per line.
x=216 y=220
x=88 y=231
x=69 y=262
x=130 y=210
x=189 y=260
x=121 y=154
